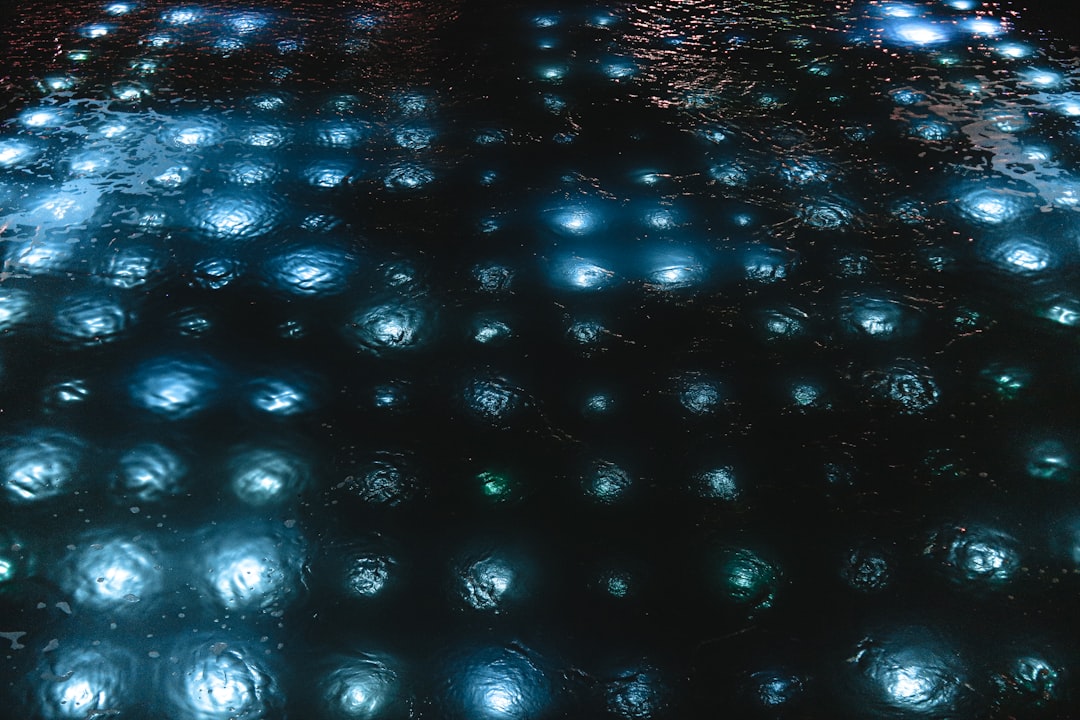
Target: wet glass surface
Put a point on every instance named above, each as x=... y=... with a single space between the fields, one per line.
x=535 y=360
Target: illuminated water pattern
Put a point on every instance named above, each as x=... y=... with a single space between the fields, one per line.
x=468 y=359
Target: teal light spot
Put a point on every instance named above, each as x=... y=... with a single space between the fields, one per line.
x=7 y=570
x=746 y=579
x=1007 y=382
x=495 y=485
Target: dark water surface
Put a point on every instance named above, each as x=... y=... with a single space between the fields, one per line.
x=452 y=360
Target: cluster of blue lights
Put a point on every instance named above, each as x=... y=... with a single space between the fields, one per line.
x=327 y=391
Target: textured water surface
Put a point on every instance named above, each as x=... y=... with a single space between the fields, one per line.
x=521 y=360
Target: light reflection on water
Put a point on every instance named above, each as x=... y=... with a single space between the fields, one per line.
x=366 y=284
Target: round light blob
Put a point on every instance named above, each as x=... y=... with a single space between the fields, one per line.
x=1020 y=256
x=497 y=683
x=698 y=394
x=911 y=672
x=746 y=580
x=329 y=173
x=932 y=130
x=173 y=177
x=607 y=483
x=976 y=556
x=408 y=177
x=39 y=465
x=774 y=689
x=911 y=389
x=280 y=397
x=1031 y=681
x=193 y=134
x=672 y=272
x=386 y=480
x=265 y=136
x=250 y=172
x=245 y=23
x=577 y=273
x=114 y=573
x=638 y=692
x=215 y=273
x=340 y=134
x=311 y=270
x=174 y=388
x=91 y=319
x=720 y=483
x=414 y=138
x=873 y=317
x=367 y=574
x=182 y=15
x=388 y=327
x=43 y=255
x=222 y=681
x=253 y=571
x=43 y=118
x=866 y=569
x=574 y=220
x=15 y=306
x=493 y=399
x=83 y=681
x=229 y=216
x=918 y=33
x=990 y=206
x=132 y=267
x=150 y=473
x=826 y=214
x=16 y=152
x=485 y=583
x=263 y=477
x=363 y=687
x=782 y=323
